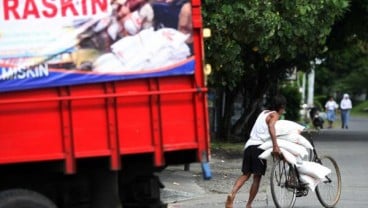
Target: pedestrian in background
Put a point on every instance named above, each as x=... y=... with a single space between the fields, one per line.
x=264 y=127
x=331 y=107
x=345 y=107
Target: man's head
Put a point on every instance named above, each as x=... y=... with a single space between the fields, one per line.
x=278 y=103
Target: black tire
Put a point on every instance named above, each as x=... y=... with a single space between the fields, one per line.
x=141 y=191
x=283 y=192
x=21 y=198
x=329 y=191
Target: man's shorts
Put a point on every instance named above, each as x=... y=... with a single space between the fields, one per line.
x=251 y=162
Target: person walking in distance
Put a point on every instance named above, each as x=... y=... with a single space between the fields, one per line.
x=331 y=107
x=345 y=107
x=263 y=128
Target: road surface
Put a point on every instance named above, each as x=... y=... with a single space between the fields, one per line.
x=187 y=189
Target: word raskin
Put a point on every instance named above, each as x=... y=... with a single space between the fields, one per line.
x=44 y=9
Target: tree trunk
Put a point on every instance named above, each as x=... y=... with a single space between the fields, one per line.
x=254 y=89
x=224 y=111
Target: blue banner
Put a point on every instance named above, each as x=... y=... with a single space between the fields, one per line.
x=42 y=77
x=62 y=43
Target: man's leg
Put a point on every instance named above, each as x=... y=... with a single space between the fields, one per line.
x=237 y=185
x=254 y=189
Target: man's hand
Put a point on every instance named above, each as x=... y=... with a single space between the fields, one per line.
x=276 y=152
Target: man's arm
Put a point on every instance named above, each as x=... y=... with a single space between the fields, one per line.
x=271 y=121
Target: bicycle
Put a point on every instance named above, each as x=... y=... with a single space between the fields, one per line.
x=286 y=184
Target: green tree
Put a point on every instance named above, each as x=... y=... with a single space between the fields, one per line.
x=345 y=68
x=293 y=97
x=254 y=45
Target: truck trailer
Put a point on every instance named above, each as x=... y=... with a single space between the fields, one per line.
x=90 y=109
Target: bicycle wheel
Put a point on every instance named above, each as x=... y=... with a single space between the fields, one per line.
x=329 y=191
x=283 y=184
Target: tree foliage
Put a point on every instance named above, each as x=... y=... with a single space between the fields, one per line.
x=346 y=64
x=293 y=97
x=255 y=43
x=344 y=70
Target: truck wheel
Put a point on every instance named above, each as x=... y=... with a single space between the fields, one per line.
x=21 y=198
x=141 y=191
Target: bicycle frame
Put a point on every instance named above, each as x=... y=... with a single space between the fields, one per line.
x=302 y=189
x=308 y=135
x=294 y=183
x=314 y=156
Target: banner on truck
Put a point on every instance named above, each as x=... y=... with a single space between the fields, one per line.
x=48 y=43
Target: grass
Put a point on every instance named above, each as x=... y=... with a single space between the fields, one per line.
x=230 y=146
x=229 y=149
x=360 y=110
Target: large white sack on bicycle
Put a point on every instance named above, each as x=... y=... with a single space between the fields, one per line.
x=293 y=148
x=313 y=169
x=284 y=127
x=290 y=158
x=311 y=181
x=265 y=154
x=296 y=138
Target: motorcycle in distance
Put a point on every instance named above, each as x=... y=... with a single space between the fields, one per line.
x=317 y=120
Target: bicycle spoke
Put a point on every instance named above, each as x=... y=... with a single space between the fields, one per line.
x=329 y=190
x=282 y=194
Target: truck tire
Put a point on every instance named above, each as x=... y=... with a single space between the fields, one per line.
x=21 y=198
x=141 y=191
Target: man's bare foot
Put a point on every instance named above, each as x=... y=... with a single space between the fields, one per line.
x=229 y=201
x=248 y=206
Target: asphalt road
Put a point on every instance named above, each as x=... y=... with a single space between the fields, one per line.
x=187 y=189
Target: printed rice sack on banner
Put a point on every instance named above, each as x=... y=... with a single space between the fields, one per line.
x=148 y=49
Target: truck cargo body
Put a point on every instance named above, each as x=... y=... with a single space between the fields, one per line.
x=99 y=143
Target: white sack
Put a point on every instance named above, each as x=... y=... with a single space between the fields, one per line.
x=313 y=169
x=292 y=159
x=265 y=154
x=128 y=48
x=312 y=182
x=297 y=139
x=293 y=148
x=151 y=49
x=108 y=63
x=287 y=127
x=288 y=156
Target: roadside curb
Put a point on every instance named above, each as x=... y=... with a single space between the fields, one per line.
x=219 y=201
x=187 y=189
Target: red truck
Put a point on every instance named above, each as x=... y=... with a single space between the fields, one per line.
x=84 y=125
